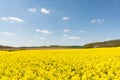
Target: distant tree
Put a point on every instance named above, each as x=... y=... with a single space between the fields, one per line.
x=111 y=43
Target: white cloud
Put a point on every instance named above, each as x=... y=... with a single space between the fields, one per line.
x=65 y=18
x=66 y=30
x=93 y=21
x=45 y=11
x=71 y=37
x=8 y=34
x=39 y=38
x=32 y=10
x=82 y=31
x=97 y=21
x=12 y=19
x=43 y=31
x=65 y=35
x=100 y=20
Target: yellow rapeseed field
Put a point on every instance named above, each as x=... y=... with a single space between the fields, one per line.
x=74 y=64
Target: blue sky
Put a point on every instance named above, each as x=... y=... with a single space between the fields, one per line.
x=58 y=22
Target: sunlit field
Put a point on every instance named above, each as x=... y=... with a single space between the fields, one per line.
x=74 y=64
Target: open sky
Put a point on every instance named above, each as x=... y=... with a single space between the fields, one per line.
x=58 y=22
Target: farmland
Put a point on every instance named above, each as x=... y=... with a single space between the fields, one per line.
x=65 y=64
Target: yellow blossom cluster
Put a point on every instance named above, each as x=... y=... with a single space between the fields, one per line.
x=69 y=64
